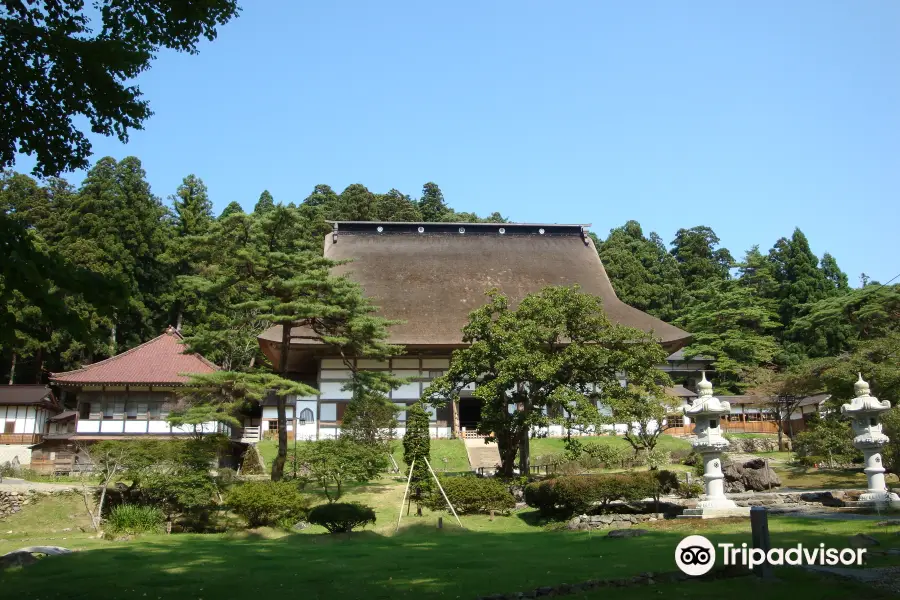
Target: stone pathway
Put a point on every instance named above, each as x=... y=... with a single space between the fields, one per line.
x=481 y=455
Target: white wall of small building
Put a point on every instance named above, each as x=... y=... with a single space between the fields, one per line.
x=26 y=420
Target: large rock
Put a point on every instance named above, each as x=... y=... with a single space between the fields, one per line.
x=759 y=480
x=752 y=475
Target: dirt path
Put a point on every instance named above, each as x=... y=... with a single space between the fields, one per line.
x=9 y=484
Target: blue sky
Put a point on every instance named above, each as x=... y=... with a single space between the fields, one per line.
x=752 y=118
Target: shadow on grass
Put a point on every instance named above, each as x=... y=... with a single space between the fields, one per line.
x=419 y=562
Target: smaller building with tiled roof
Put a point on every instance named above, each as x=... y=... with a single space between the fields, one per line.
x=24 y=411
x=131 y=394
x=160 y=362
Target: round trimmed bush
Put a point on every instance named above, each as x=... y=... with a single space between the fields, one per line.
x=267 y=502
x=341 y=517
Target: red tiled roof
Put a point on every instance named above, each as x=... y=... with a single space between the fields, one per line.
x=161 y=361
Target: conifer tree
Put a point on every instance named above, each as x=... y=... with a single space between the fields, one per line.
x=233 y=208
x=265 y=203
x=417 y=443
x=432 y=205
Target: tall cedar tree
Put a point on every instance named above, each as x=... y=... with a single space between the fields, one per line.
x=557 y=350
x=290 y=285
x=417 y=443
x=192 y=221
x=432 y=205
x=62 y=59
x=699 y=258
x=643 y=272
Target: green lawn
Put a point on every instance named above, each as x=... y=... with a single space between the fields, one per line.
x=421 y=561
x=541 y=446
x=453 y=450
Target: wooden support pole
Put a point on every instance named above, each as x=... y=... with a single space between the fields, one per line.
x=405 y=491
x=453 y=510
x=759 y=527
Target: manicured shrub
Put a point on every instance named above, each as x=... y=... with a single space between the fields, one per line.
x=470 y=494
x=134 y=518
x=610 y=456
x=690 y=490
x=580 y=493
x=341 y=517
x=267 y=502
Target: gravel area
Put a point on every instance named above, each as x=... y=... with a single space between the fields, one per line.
x=9 y=484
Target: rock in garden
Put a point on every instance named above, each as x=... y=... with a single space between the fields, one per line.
x=861 y=540
x=626 y=533
x=17 y=559
x=892 y=523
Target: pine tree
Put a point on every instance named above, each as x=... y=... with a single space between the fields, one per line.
x=286 y=284
x=734 y=325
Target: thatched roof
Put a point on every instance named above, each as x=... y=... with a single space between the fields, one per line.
x=432 y=280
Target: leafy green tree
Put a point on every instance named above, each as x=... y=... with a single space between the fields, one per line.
x=734 y=326
x=332 y=463
x=826 y=439
x=699 y=259
x=265 y=204
x=370 y=418
x=432 y=205
x=557 y=350
x=322 y=195
x=417 y=443
x=643 y=273
x=60 y=60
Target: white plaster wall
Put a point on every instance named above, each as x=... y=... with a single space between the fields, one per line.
x=10 y=451
x=329 y=432
x=115 y=426
x=306 y=432
x=271 y=412
x=157 y=427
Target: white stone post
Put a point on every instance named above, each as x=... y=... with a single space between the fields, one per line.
x=706 y=413
x=864 y=410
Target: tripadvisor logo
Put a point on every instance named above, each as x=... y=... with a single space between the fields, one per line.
x=695 y=555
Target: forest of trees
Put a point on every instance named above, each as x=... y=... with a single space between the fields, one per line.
x=113 y=265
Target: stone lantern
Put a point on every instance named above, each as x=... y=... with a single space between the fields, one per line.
x=864 y=410
x=706 y=412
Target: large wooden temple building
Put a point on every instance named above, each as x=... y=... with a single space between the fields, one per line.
x=430 y=276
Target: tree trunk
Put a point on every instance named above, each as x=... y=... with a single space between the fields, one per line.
x=281 y=458
x=39 y=359
x=112 y=340
x=780 y=437
x=12 y=370
x=180 y=317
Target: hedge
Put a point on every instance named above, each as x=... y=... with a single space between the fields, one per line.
x=471 y=494
x=580 y=493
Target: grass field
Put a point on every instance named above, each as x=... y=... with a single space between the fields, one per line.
x=507 y=555
x=541 y=446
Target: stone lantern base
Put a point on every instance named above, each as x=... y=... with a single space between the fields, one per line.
x=715 y=512
x=880 y=500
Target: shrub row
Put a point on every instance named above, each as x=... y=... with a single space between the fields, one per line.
x=579 y=493
x=470 y=494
